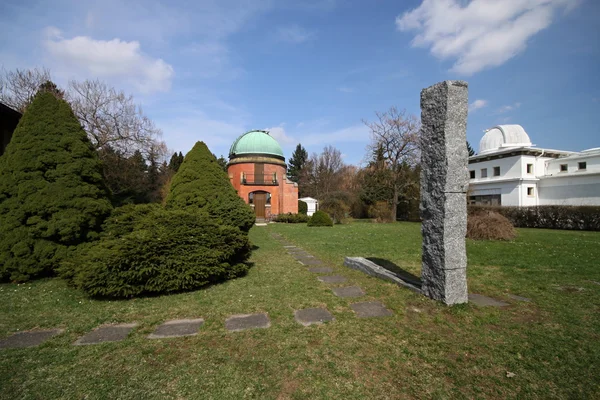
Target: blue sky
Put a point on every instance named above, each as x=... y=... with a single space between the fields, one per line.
x=311 y=70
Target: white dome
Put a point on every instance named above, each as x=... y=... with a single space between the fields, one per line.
x=502 y=136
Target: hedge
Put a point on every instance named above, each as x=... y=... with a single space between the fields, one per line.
x=53 y=196
x=164 y=251
x=586 y=218
x=302 y=207
x=290 y=218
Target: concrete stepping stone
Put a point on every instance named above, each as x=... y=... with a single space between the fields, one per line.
x=242 y=322
x=332 y=279
x=177 y=328
x=310 y=261
x=289 y=247
x=29 y=338
x=519 y=298
x=320 y=270
x=370 y=309
x=348 y=291
x=106 y=333
x=310 y=316
x=484 y=301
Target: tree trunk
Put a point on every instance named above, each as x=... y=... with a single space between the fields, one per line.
x=395 y=204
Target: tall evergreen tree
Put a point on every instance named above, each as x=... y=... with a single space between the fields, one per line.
x=52 y=192
x=470 y=149
x=201 y=184
x=176 y=161
x=296 y=163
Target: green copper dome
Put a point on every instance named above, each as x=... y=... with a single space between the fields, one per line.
x=255 y=143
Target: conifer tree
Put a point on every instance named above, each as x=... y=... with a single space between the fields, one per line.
x=201 y=184
x=296 y=163
x=470 y=149
x=52 y=192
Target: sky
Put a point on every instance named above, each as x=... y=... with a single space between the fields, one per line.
x=312 y=71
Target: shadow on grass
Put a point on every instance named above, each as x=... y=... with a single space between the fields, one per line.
x=396 y=270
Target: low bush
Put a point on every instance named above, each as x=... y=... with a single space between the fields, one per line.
x=161 y=251
x=585 y=218
x=489 y=225
x=290 y=218
x=337 y=210
x=381 y=211
x=302 y=207
x=320 y=218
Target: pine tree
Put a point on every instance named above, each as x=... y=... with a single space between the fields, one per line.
x=470 y=149
x=296 y=163
x=201 y=184
x=175 y=162
x=52 y=192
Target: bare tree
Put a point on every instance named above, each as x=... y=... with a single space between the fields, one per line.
x=395 y=140
x=18 y=87
x=111 y=118
x=322 y=172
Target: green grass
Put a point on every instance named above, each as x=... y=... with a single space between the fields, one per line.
x=426 y=350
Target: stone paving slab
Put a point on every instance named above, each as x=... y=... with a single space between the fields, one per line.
x=310 y=316
x=332 y=279
x=242 y=322
x=177 y=328
x=310 y=261
x=484 y=301
x=519 y=298
x=348 y=291
x=29 y=338
x=106 y=333
x=321 y=270
x=290 y=246
x=370 y=309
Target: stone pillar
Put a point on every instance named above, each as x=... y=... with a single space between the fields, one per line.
x=444 y=183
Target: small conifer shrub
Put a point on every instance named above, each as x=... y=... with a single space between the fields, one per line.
x=200 y=184
x=52 y=194
x=302 y=207
x=320 y=218
x=163 y=251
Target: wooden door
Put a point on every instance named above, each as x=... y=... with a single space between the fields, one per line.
x=260 y=199
x=259 y=173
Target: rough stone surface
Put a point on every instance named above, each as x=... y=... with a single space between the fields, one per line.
x=370 y=309
x=310 y=261
x=321 y=270
x=28 y=339
x=372 y=269
x=519 y=298
x=177 y=328
x=484 y=301
x=348 y=291
x=242 y=322
x=107 y=333
x=444 y=182
x=332 y=279
x=310 y=316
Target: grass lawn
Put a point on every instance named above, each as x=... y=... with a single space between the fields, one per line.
x=425 y=350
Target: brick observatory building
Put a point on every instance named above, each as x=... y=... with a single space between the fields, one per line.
x=257 y=170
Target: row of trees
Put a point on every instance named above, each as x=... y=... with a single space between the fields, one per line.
x=127 y=142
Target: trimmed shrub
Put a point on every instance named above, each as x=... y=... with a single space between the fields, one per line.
x=200 y=184
x=489 y=225
x=164 y=251
x=290 y=218
x=52 y=193
x=302 y=207
x=336 y=208
x=320 y=218
x=586 y=218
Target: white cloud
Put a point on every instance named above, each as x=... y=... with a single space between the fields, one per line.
x=294 y=34
x=279 y=134
x=479 y=34
x=477 y=104
x=83 y=56
x=507 y=108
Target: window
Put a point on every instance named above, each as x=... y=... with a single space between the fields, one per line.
x=251 y=198
x=496 y=171
x=484 y=172
x=564 y=167
x=530 y=191
x=530 y=168
x=472 y=174
x=582 y=165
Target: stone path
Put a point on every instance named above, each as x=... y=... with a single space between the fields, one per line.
x=242 y=322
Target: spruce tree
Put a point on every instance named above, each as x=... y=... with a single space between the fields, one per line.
x=470 y=149
x=52 y=192
x=296 y=163
x=201 y=184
